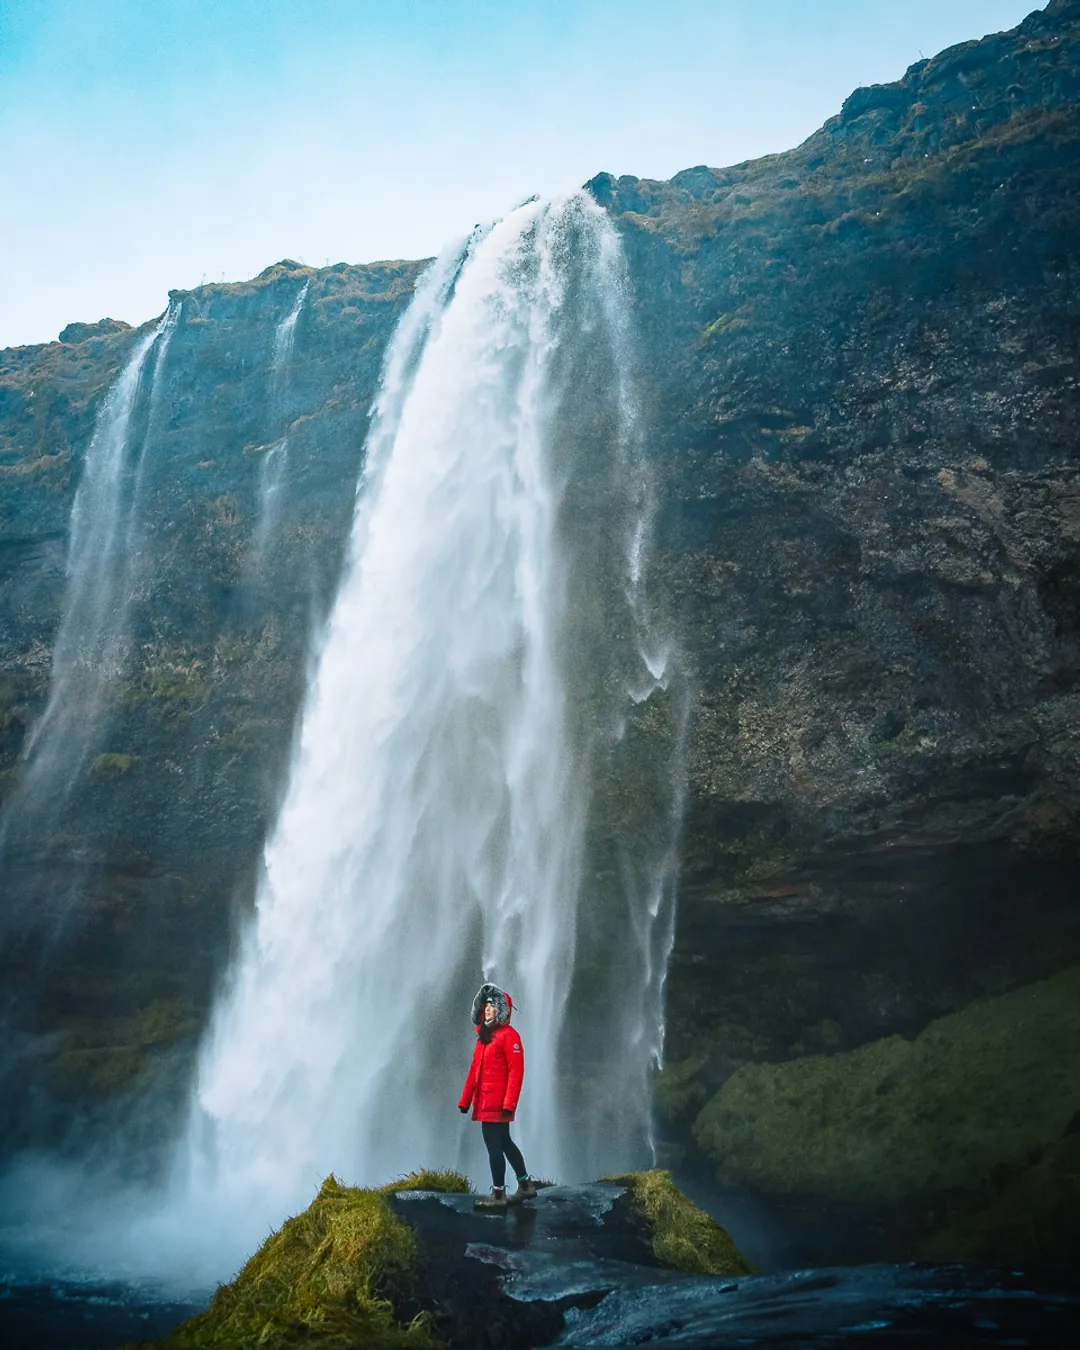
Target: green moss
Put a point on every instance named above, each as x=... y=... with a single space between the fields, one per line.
x=112 y=765
x=900 y=1121
x=716 y=327
x=1034 y=1222
x=177 y=686
x=106 y=1055
x=324 y=1278
x=36 y=467
x=683 y=1237
x=445 y=1180
x=676 y=1091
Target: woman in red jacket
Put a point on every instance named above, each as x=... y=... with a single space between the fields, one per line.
x=492 y=1089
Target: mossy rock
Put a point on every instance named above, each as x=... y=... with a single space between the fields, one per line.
x=1033 y=1223
x=677 y=1093
x=337 y=1275
x=900 y=1121
x=112 y=765
x=103 y=1056
x=440 y=1179
x=682 y=1236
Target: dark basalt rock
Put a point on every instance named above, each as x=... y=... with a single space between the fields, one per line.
x=571 y=1268
x=161 y=836
x=508 y=1279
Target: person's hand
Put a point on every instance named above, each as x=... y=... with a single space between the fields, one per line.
x=464 y=1110
x=507 y=1115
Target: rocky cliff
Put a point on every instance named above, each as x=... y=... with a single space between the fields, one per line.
x=860 y=377
x=868 y=426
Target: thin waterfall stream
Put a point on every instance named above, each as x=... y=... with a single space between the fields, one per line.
x=273 y=467
x=90 y=651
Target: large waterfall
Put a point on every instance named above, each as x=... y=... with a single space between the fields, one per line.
x=486 y=640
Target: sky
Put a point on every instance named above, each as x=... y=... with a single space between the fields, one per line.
x=151 y=144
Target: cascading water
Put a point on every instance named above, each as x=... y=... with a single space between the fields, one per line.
x=91 y=643
x=434 y=827
x=284 y=338
x=272 y=470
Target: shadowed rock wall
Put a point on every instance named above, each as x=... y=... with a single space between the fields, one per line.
x=864 y=365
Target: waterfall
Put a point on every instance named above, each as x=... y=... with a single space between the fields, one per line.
x=91 y=643
x=434 y=826
x=275 y=459
x=284 y=338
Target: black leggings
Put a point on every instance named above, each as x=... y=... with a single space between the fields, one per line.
x=501 y=1147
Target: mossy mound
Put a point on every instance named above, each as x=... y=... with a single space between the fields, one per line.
x=682 y=1236
x=343 y=1273
x=442 y=1179
x=975 y=1098
x=112 y=765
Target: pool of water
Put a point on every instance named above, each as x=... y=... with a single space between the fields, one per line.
x=70 y=1316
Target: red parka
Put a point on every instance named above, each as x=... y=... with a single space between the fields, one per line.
x=494 y=1082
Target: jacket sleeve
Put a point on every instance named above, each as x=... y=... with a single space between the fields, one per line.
x=515 y=1066
x=470 y=1082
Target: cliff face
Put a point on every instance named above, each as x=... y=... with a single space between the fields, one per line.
x=868 y=410
x=865 y=373
x=860 y=373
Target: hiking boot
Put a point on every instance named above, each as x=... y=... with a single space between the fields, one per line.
x=496 y=1201
x=526 y=1190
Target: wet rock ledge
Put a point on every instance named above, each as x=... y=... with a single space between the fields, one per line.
x=621 y=1261
x=414 y=1264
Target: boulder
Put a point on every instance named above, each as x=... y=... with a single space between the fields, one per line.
x=937 y=1127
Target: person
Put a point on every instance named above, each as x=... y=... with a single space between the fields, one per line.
x=492 y=1090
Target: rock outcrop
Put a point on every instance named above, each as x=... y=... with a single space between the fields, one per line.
x=415 y=1265
x=79 y=332
x=932 y=1131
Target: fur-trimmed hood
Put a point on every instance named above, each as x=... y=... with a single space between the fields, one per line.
x=491 y=993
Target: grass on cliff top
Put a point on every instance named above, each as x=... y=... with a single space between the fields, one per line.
x=683 y=1237
x=328 y=1277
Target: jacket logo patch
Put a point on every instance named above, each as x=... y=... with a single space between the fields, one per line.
x=517 y=1049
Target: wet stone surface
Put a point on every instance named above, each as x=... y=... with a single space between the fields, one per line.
x=572 y=1268
x=507 y=1279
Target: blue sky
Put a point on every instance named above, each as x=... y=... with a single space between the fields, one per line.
x=147 y=144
